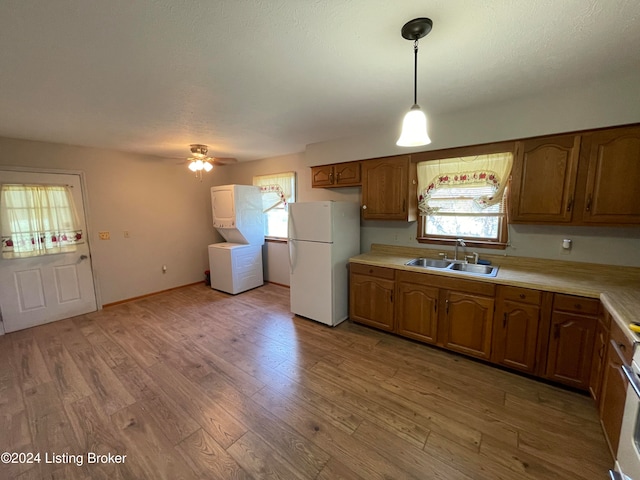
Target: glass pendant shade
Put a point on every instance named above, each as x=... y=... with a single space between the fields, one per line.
x=192 y=166
x=414 y=129
x=207 y=167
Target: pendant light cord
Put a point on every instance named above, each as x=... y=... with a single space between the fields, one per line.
x=415 y=71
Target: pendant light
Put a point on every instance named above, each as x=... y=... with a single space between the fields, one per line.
x=414 y=126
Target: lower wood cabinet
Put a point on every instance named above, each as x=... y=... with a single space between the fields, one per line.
x=555 y=336
x=599 y=357
x=468 y=320
x=371 y=296
x=453 y=313
x=573 y=328
x=416 y=308
x=563 y=338
x=614 y=386
x=516 y=328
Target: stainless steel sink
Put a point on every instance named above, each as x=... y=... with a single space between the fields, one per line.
x=428 y=262
x=454 y=266
x=486 y=270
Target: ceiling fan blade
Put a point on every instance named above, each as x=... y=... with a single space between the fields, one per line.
x=224 y=160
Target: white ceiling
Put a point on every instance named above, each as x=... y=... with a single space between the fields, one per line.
x=258 y=78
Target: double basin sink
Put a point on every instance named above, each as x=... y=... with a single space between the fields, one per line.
x=454 y=266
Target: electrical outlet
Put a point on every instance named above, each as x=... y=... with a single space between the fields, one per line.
x=104 y=235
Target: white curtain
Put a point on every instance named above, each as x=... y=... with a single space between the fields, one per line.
x=277 y=189
x=490 y=171
x=38 y=220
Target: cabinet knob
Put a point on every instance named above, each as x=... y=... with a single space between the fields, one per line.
x=364 y=207
x=577 y=306
x=522 y=295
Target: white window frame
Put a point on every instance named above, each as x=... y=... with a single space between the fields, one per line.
x=459 y=174
x=279 y=190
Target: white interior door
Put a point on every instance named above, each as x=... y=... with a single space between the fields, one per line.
x=42 y=289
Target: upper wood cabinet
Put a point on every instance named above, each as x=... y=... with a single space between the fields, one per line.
x=336 y=175
x=586 y=179
x=612 y=187
x=544 y=179
x=389 y=189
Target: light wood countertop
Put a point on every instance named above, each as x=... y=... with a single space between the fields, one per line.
x=617 y=287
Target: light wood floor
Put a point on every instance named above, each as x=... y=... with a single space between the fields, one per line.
x=199 y=384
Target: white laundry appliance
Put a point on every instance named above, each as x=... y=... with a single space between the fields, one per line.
x=322 y=238
x=236 y=265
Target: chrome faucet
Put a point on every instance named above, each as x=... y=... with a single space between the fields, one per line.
x=459 y=241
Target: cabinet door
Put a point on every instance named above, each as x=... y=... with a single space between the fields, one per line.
x=612 y=181
x=544 y=179
x=417 y=311
x=571 y=349
x=385 y=188
x=598 y=361
x=516 y=335
x=467 y=323
x=371 y=301
x=613 y=396
x=322 y=176
x=347 y=174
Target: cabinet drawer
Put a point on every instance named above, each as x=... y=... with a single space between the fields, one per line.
x=622 y=342
x=522 y=295
x=571 y=303
x=381 y=272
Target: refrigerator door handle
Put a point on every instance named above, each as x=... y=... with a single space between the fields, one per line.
x=290 y=250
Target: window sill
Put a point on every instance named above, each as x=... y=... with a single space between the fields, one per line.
x=275 y=240
x=468 y=243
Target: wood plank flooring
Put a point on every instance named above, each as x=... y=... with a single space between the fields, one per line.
x=198 y=384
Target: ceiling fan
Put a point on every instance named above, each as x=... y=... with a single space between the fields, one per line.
x=201 y=161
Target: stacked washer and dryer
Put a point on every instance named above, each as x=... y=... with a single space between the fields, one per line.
x=236 y=264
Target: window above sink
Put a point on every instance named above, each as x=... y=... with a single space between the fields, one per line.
x=465 y=197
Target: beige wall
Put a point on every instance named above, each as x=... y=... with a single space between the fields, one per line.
x=165 y=209
x=590 y=105
x=168 y=213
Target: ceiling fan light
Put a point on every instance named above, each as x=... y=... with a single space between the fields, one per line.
x=207 y=166
x=192 y=166
x=199 y=164
x=414 y=129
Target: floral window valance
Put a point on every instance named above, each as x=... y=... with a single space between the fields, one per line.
x=485 y=177
x=38 y=220
x=277 y=189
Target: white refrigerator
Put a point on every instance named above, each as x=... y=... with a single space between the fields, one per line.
x=322 y=238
